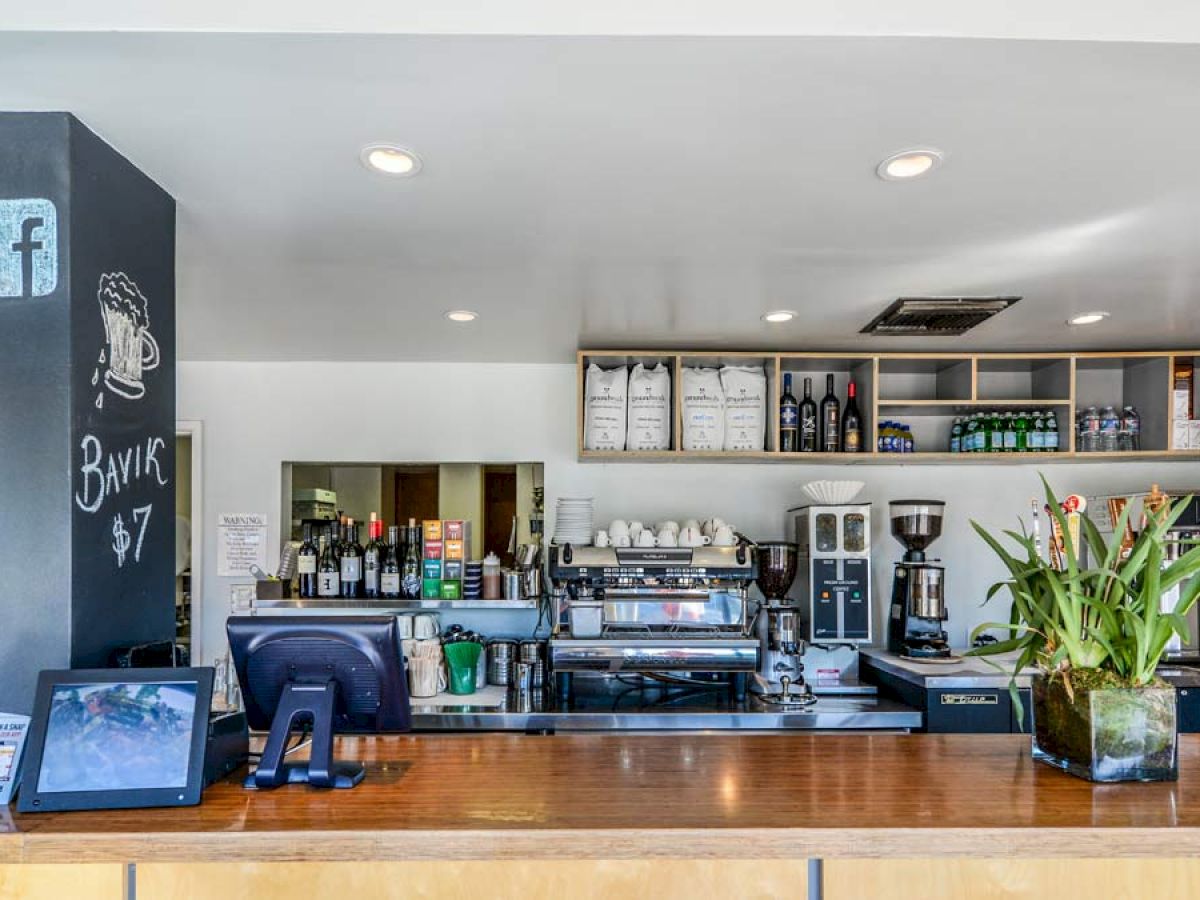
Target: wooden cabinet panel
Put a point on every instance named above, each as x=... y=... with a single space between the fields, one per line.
x=1011 y=879
x=527 y=880
x=927 y=391
x=93 y=881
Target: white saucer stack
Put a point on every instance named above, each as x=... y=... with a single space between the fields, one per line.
x=573 y=521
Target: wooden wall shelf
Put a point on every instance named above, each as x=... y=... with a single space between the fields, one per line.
x=927 y=391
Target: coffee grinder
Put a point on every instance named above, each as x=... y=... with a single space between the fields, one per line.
x=918 y=603
x=778 y=626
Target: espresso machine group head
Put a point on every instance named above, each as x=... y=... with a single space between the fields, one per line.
x=918 y=601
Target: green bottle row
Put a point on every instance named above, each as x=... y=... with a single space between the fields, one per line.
x=1006 y=432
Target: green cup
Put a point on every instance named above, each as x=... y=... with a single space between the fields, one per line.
x=462 y=658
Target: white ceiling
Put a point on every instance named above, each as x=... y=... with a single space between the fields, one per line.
x=1174 y=21
x=652 y=191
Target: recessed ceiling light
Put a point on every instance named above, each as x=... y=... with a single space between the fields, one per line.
x=909 y=164
x=1088 y=318
x=779 y=315
x=390 y=159
x=462 y=315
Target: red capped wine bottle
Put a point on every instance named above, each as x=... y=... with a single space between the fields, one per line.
x=852 y=425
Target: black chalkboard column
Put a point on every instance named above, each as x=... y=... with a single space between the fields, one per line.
x=87 y=402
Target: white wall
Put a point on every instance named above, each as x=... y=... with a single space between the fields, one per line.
x=257 y=414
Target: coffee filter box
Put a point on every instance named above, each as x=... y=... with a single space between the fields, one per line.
x=703 y=405
x=604 y=415
x=649 y=422
x=745 y=391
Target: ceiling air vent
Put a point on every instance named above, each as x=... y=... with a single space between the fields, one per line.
x=937 y=316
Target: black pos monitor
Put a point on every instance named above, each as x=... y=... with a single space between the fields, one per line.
x=333 y=674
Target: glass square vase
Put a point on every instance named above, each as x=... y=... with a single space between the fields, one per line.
x=1107 y=733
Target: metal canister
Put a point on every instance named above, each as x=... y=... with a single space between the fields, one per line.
x=534 y=652
x=522 y=679
x=511 y=579
x=501 y=654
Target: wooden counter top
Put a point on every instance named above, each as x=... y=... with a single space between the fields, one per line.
x=493 y=796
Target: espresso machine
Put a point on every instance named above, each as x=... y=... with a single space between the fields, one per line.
x=664 y=612
x=778 y=626
x=918 y=603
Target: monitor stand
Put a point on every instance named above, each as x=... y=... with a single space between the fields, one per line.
x=299 y=703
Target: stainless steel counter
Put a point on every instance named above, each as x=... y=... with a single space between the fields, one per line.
x=964 y=672
x=606 y=705
x=340 y=603
x=974 y=671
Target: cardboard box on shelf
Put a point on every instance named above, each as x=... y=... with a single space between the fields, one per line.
x=431 y=529
x=431 y=568
x=454 y=549
x=452 y=569
x=314 y=495
x=1194 y=434
x=1181 y=401
x=451 y=590
x=431 y=549
x=1181 y=435
x=455 y=529
x=431 y=589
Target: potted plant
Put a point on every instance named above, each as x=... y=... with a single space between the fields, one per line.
x=1095 y=631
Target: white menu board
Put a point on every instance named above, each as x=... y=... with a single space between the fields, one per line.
x=12 y=742
x=241 y=543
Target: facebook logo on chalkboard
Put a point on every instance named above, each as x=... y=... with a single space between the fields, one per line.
x=28 y=248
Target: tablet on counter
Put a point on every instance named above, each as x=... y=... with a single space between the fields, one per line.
x=117 y=739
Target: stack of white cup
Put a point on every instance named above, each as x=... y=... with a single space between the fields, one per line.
x=668 y=533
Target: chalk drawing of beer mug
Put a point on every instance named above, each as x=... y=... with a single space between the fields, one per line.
x=132 y=349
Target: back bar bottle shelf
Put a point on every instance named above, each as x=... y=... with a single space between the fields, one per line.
x=928 y=391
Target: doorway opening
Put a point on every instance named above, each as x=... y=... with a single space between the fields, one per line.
x=189 y=537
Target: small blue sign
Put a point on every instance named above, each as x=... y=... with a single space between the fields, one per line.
x=28 y=248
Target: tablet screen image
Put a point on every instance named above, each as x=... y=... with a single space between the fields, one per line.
x=112 y=737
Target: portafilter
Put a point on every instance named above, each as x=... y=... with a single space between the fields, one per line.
x=776 y=568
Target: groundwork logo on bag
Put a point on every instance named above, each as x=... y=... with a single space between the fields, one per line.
x=28 y=248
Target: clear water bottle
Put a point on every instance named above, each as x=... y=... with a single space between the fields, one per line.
x=1110 y=429
x=1089 y=430
x=1131 y=429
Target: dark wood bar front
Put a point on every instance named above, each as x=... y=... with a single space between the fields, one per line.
x=491 y=796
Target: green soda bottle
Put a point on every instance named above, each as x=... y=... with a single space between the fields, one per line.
x=1021 y=427
x=1037 y=432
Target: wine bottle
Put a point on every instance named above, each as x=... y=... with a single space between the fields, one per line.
x=328 y=574
x=808 y=420
x=351 y=563
x=852 y=425
x=339 y=539
x=306 y=564
x=410 y=572
x=789 y=417
x=389 y=571
x=372 y=558
x=831 y=419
